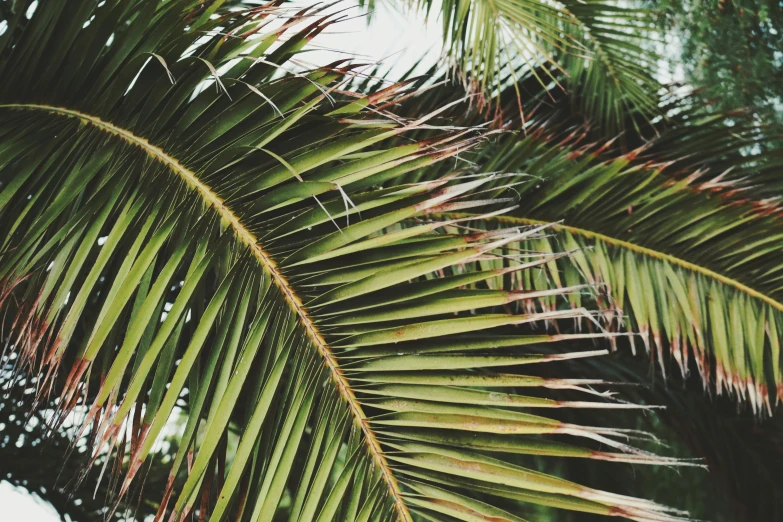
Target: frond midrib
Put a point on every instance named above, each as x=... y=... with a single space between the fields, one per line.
x=245 y=236
x=656 y=254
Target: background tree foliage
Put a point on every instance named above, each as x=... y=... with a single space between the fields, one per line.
x=730 y=49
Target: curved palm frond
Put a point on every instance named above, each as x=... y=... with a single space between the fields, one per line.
x=689 y=172
x=188 y=224
x=695 y=269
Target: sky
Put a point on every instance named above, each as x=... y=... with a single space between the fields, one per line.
x=396 y=36
x=19 y=504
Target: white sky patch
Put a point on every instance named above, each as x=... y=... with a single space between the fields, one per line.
x=398 y=38
x=19 y=504
x=395 y=35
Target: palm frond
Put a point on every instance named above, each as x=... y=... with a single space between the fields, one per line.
x=171 y=242
x=27 y=451
x=741 y=149
x=697 y=168
x=600 y=51
x=740 y=449
x=695 y=271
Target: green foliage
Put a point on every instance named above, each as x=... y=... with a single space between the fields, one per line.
x=29 y=450
x=732 y=49
x=695 y=272
x=680 y=234
x=600 y=51
x=741 y=450
x=188 y=225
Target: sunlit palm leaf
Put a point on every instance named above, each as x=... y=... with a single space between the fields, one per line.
x=169 y=241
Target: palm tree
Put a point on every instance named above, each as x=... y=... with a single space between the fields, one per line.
x=195 y=228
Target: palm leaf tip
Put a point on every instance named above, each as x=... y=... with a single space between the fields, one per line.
x=175 y=251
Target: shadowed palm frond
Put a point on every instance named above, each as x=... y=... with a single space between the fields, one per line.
x=692 y=264
x=690 y=212
x=741 y=150
x=171 y=242
x=742 y=450
x=27 y=451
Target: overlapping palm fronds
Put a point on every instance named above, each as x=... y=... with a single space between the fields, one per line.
x=741 y=150
x=689 y=213
x=28 y=450
x=187 y=223
x=736 y=446
x=692 y=263
x=741 y=450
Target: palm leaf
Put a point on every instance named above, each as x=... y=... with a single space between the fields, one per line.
x=697 y=201
x=740 y=149
x=600 y=51
x=691 y=264
x=740 y=449
x=172 y=242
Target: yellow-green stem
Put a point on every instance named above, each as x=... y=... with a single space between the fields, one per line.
x=629 y=246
